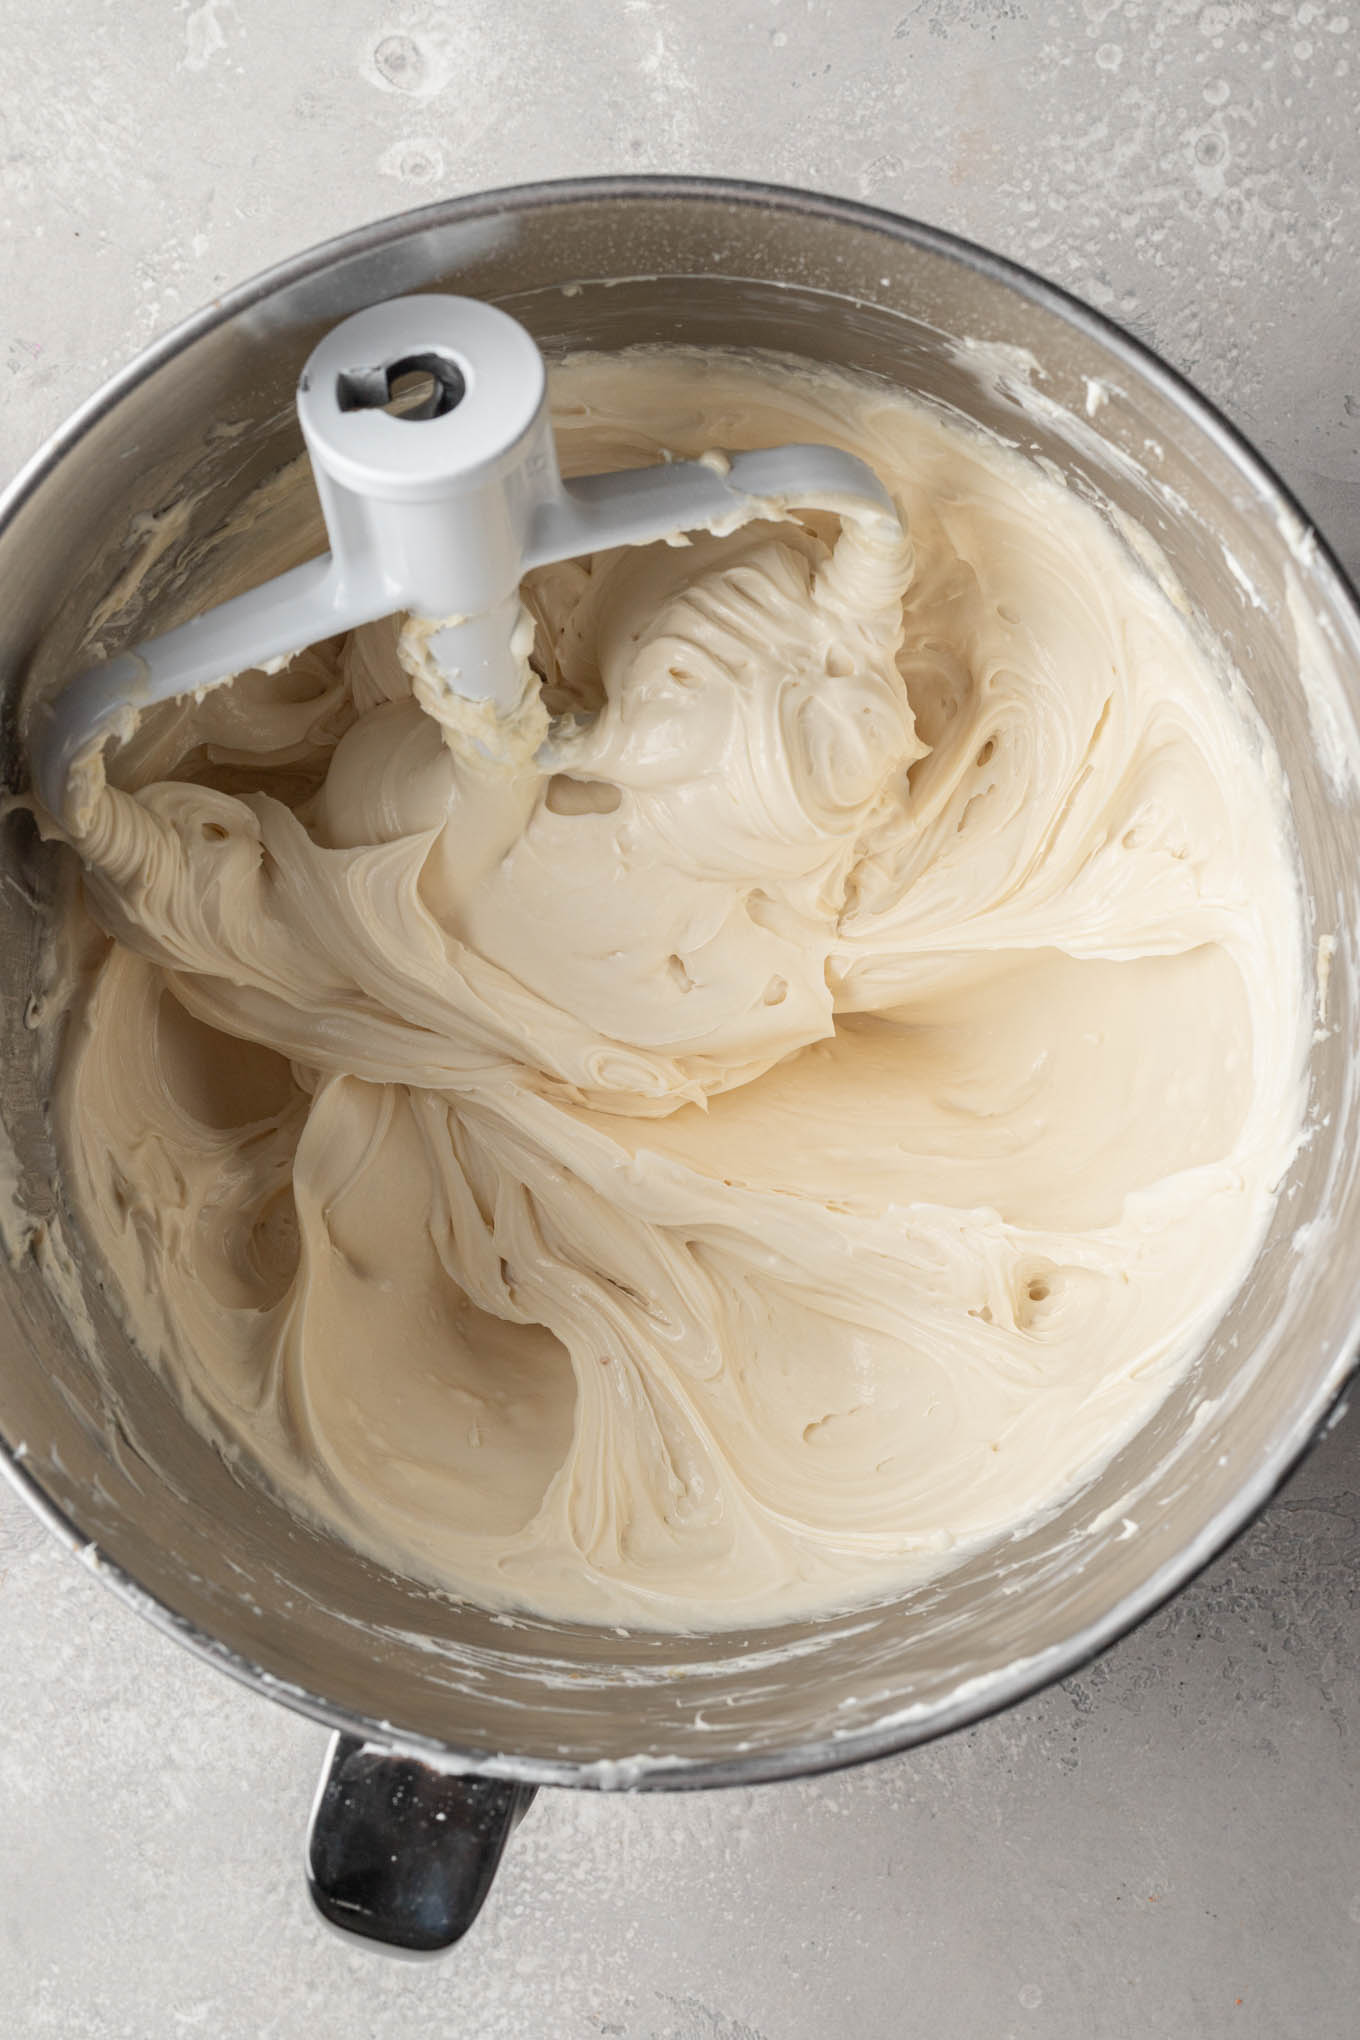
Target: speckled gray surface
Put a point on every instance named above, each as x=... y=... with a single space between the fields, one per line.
x=1168 y=1845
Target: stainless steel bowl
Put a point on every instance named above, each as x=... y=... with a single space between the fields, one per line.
x=150 y=470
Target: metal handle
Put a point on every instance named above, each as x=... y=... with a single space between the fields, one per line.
x=401 y=1853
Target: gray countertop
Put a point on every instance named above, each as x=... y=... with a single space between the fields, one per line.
x=1166 y=1847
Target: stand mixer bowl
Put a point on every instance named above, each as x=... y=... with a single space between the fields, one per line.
x=126 y=523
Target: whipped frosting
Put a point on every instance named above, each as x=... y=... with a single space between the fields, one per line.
x=770 y=1116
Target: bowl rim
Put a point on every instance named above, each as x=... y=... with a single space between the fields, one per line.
x=1323 y=1407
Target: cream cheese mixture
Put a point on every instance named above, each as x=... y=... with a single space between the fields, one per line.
x=769 y=1118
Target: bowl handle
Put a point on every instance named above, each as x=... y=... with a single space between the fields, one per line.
x=404 y=1854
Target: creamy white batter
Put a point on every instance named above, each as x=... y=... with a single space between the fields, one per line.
x=788 y=1134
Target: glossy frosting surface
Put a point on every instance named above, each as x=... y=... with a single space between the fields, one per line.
x=776 y=1114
